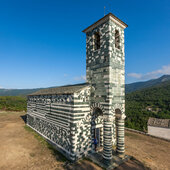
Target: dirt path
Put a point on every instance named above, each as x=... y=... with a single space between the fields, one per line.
x=19 y=149
x=153 y=152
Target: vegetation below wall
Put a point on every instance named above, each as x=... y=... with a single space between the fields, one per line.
x=13 y=103
x=149 y=102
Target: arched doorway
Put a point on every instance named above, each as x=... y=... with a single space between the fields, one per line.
x=97 y=127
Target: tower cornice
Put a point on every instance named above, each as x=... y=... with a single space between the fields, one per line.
x=104 y=19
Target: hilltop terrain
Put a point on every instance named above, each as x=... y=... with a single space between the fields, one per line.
x=22 y=148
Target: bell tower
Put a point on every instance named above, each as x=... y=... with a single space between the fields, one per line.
x=105 y=72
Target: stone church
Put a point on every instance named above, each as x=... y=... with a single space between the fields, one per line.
x=70 y=117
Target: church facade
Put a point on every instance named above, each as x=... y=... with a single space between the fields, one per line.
x=70 y=117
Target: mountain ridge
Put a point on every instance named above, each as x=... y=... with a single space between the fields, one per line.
x=145 y=84
x=128 y=87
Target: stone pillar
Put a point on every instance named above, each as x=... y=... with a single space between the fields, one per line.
x=107 y=142
x=114 y=131
x=120 y=147
x=101 y=136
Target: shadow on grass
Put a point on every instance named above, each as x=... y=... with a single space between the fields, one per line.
x=43 y=141
x=83 y=164
x=133 y=164
x=24 y=118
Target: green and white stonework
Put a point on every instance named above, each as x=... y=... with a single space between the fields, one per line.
x=68 y=116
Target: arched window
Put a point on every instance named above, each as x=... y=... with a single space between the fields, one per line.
x=117 y=39
x=96 y=41
x=97 y=112
x=118 y=111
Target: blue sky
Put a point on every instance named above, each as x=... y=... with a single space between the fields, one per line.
x=42 y=44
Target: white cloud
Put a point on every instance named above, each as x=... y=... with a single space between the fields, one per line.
x=1 y=87
x=80 y=78
x=65 y=75
x=151 y=75
x=135 y=75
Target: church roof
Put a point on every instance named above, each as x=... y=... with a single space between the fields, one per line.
x=159 y=122
x=104 y=19
x=69 y=89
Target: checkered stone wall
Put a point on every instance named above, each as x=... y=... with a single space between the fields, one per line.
x=51 y=116
x=64 y=120
x=82 y=140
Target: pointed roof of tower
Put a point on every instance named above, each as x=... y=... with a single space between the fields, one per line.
x=104 y=19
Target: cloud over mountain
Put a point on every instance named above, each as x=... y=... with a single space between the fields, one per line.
x=165 y=70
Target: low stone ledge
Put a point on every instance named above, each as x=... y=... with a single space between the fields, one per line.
x=143 y=133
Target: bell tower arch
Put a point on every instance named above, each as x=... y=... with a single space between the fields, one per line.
x=105 y=71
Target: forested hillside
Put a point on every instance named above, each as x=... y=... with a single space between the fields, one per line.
x=149 y=102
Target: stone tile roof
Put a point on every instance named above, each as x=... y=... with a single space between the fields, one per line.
x=159 y=122
x=70 y=89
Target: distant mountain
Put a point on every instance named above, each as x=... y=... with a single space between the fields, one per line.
x=129 y=87
x=17 y=92
x=141 y=85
